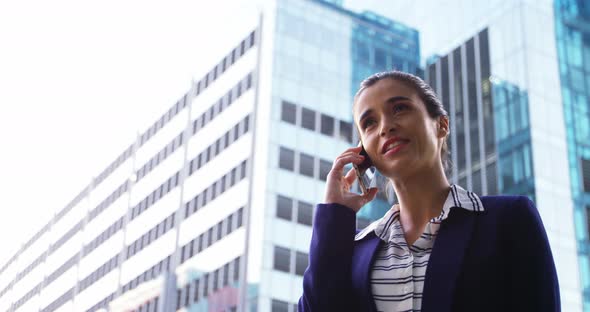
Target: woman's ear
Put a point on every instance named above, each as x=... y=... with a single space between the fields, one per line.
x=443 y=126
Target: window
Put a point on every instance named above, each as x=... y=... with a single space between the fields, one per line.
x=199 y=243
x=306 y=165
x=585 y=166
x=215 y=280
x=233 y=56
x=243 y=169
x=230 y=97
x=233 y=177
x=238 y=90
x=282 y=259
x=206 y=285
x=301 y=261
x=249 y=82
x=308 y=119
x=279 y=306
x=224 y=227
x=196 y=295
x=327 y=127
x=325 y=167
x=380 y=59
x=153 y=234
x=211 y=113
x=178 y=297
x=286 y=159
x=210 y=237
x=236 y=269
x=171 y=221
x=222 y=184
x=304 y=213
x=252 y=39
x=346 y=131
x=217 y=149
x=213 y=190
x=288 y=112
x=183 y=254
x=284 y=207
x=246 y=124
x=226 y=141
x=226 y=274
x=198 y=202
x=240 y=217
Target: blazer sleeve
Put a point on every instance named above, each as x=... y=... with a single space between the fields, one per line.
x=534 y=285
x=327 y=281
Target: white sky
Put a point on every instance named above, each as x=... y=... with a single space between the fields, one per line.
x=78 y=79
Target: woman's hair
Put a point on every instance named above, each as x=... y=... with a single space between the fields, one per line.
x=425 y=92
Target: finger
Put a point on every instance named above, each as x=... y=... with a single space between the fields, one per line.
x=353 y=149
x=350 y=154
x=350 y=176
x=341 y=161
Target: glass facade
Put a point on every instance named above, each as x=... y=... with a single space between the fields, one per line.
x=512 y=128
x=462 y=80
x=572 y=28
x=388 y=46
x=321 y=53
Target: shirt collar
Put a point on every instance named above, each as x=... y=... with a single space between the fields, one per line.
x=458 y=197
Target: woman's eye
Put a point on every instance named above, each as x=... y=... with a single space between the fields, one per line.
x=368 y=123
x=399 y=108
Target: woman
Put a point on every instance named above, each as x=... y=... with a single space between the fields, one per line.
x=441 y=248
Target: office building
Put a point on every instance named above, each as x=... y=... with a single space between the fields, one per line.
x=513 y=76
x=210 y=208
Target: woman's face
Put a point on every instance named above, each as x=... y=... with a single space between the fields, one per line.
x=398 y=134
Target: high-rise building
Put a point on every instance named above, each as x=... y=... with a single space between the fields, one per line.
x=572 y=27
x=490 y=118
x=513 y=75
x=210 y=208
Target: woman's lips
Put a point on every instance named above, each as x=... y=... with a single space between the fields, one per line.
x=396 y=149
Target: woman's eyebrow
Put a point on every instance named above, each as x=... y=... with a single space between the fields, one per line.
x=391 y=100
x=365 y=114
x=395 y=99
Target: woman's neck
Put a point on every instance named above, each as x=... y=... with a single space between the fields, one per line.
x=420 y=198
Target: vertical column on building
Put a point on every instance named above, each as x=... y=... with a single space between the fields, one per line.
x=482 y=129
x=243 y=276
x=466 y=121
x=168 y=294
x=81 y=252
x=451 y=90
x=51 y=223
x=131 y=182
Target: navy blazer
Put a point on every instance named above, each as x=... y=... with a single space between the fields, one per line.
x=495 y=260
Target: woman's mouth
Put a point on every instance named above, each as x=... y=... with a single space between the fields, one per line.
x=395 y=147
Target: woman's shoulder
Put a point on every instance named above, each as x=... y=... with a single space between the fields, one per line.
x=513 y=207
x=506 y=200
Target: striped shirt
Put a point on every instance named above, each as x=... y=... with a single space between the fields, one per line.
x=398 y=273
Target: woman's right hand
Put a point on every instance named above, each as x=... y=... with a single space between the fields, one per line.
x=338 y=185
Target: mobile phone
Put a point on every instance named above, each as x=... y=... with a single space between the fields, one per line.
x=364 y=171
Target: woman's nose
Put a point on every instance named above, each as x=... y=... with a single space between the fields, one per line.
x=387 y=128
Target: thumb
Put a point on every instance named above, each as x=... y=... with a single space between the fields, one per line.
x=370 y=195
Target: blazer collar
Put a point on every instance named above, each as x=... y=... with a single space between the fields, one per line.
x=446 y=260
x=364 y=253
x=443 y=268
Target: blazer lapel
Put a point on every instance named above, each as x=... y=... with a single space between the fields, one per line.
x=446 y=259
x=364 y=253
